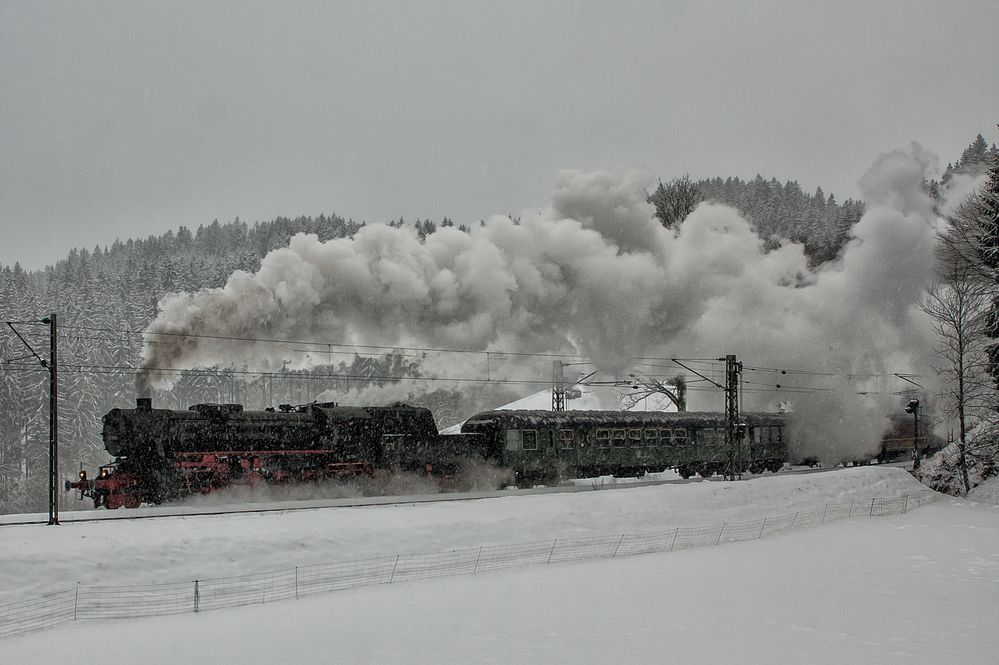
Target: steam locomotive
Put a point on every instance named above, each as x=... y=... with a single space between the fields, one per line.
x=162 y=455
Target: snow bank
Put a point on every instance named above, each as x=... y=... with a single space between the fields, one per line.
x=916 y=589
x=942 y=472
x=41 y=559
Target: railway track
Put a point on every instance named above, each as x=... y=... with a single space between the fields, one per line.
x=182 y=510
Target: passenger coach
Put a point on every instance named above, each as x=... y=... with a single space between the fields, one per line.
x=546 y=446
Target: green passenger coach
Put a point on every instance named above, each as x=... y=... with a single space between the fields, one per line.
x=548 y=446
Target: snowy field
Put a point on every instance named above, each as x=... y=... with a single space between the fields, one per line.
x=41 y=559
x=915 y=588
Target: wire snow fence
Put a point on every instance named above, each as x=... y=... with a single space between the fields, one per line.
x=119 y=602
x=991 y=498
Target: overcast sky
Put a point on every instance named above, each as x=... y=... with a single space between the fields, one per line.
x=125 y=119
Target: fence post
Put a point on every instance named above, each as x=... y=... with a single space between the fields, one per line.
x=552 y=551
x=197 y=596
x=618 y=545
x=763 y=527
x=872 y=507
x=824 y=509
x=396 y=565
x=905 y=506
x=76 y=601
x=673 y=542
x=477 y=557
x=851 y=507
x=296 y=582
x=720 y=532
x=795 y=520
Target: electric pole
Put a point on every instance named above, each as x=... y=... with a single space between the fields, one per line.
x=51 y=365
x=733 y=369
x=558 y=386
x=53 y=422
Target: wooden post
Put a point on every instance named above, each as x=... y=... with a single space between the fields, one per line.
x=618 y=545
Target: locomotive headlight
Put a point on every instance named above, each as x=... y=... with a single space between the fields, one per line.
x=83 y=475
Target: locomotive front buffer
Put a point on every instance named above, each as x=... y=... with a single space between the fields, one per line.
x=110 y=488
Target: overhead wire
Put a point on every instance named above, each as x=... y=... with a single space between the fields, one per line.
x=326 y=348
x=266 y=340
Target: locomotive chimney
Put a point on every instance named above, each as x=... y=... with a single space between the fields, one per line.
x=143 y=403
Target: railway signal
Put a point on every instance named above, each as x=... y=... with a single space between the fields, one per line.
x=913 y=408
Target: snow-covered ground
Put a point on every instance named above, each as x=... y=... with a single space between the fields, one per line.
x=914 y=588
x=987 y=492
x=40 y=559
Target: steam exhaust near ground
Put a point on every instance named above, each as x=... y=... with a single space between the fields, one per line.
x=473 y=476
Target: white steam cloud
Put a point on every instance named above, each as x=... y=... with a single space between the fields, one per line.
x=596 y=274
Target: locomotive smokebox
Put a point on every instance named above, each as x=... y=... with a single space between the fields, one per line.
x=143 y=403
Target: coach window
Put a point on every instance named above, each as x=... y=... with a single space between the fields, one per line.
x=652 y=437
x=603 y=438
x=512 y=439
x=565 y=438
x=666 y=437
x=530 y=439
x=619 y=438
x=680 y=437
x=635 y=436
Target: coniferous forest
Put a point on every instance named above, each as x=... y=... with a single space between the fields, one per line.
x=105 y=297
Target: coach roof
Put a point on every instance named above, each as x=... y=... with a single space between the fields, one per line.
x=519 y=419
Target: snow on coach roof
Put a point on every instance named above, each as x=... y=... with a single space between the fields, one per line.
x=536 y=417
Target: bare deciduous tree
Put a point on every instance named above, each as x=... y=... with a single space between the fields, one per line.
x=675 y=200
x=971 y=244
x=675 y=389
x=958 y=307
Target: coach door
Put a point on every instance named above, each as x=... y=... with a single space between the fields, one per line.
x=549 y=442
x=546 y=453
